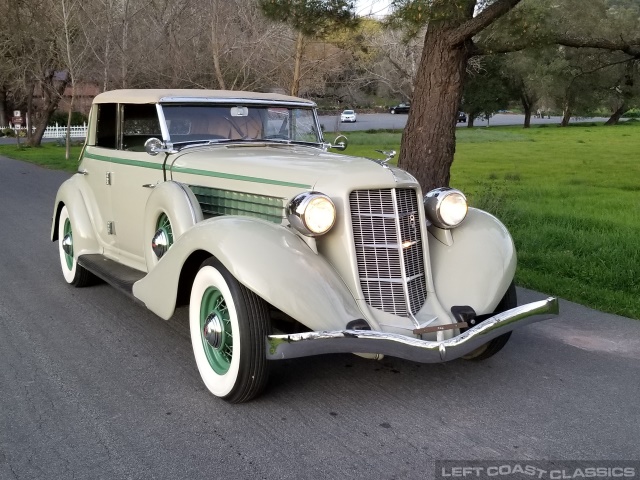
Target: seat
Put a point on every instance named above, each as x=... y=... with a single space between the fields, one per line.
x=249 y=127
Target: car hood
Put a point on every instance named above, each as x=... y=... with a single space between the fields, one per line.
x=281 y=170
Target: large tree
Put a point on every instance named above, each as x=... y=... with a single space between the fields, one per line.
x=451 y=38
x=311 y=19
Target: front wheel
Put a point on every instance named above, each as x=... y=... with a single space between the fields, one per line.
x=229 y=325
x=489 y=349
x=73 y=273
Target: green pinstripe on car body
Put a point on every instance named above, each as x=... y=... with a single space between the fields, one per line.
x=193 y=171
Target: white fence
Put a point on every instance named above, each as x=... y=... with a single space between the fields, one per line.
x=58 y=131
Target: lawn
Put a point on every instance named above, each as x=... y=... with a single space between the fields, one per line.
x=49 y=155
x=570 y=197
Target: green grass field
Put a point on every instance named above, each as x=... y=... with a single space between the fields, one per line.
x=569 y=196
x=49 y=155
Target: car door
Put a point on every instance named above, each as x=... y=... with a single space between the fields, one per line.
x=135 y=174
x=96 y=168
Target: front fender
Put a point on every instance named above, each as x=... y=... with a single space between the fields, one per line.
x=268 y=259
x=84 y=237
x=475 y=264
x=179 y=204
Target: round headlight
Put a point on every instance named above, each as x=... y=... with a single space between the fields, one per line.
x=445 y=207
x=311 y=213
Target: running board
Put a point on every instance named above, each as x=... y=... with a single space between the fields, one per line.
x=114 y=273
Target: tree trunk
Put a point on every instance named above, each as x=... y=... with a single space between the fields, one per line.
x=67 y=152
x=52 y=94
x=566 y=114
x=3 y=107
x=472 y=119
x=615 y=117
x=526 y=105
x=627 y=94
x=428 y=141
x=295 y=84
x=31 y=86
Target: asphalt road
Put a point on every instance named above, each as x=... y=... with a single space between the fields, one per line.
x=332 y=123
x=94 y=386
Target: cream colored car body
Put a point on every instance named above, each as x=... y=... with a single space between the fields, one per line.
x=115 y=199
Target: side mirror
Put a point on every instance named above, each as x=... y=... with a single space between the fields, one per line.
x=340 y=143
x=153 y=146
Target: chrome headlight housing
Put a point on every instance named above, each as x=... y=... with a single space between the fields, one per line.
x=445 y=207
x=311 y=213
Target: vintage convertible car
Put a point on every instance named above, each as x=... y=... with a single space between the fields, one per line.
x=231 y=203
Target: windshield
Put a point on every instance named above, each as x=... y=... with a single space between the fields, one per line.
x=189 y=123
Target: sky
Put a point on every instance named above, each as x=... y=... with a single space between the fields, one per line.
x=377 y=7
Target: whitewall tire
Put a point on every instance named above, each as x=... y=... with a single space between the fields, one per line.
x=73 y=273
x=228 y=325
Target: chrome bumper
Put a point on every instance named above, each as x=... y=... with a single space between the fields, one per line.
x=369 y=341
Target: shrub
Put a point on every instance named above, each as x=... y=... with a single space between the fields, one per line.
x=60 y=118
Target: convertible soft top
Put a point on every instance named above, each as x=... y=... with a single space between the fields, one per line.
x=179 y=95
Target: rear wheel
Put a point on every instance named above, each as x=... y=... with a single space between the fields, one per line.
x=73 y=273
x=489 y=349
x=229 y=325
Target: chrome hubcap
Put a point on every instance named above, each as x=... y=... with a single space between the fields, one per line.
x=67 y=244
x=160 y=243
x=212 y=331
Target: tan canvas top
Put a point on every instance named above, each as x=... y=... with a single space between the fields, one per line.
x=160 y=95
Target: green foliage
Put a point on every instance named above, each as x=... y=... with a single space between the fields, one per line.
x=48 y=155
x=313 y=18
x=570 y=198
x=60 y=118
x=415 y=14
x=487 y=89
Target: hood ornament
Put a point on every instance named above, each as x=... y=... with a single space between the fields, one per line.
x=390 y=154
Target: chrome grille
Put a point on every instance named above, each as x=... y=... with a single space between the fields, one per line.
x=388 y=243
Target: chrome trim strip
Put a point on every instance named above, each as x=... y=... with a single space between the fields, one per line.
x=403 y=266
x=425 y=351
x=163 y=123
x=240 y=101
x=192 y=209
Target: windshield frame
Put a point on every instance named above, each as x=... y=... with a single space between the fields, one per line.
x=254 y=106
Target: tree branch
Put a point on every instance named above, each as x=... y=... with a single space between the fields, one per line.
x=475 y=25
x=630 y=47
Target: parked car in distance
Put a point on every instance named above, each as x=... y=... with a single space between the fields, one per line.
x=400 y=108
x=348 y=116
x=230 y=202
x=462 y=117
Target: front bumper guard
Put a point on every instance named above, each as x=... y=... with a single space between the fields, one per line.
x=305 y=344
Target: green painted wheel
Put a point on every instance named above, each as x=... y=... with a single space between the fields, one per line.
x=73 y=273
x=68 y=233
x=214 y=320
x=164 y=224
x=229 y=325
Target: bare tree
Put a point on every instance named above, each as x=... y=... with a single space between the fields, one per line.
x=66 y=14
